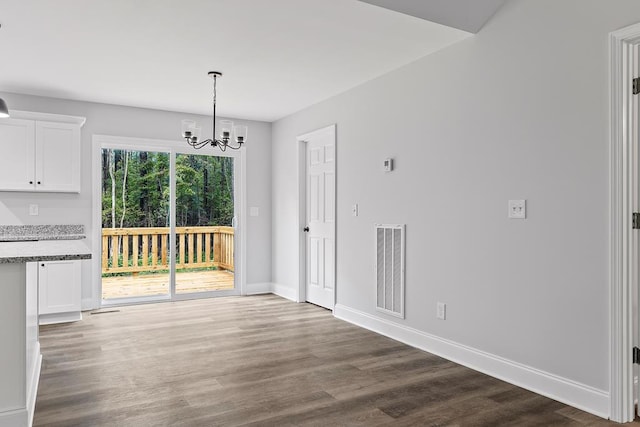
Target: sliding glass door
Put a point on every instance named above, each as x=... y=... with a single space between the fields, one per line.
x=168 y=224
x=204 y=223
x=135 y=224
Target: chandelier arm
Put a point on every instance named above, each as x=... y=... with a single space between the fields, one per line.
x=197 y=145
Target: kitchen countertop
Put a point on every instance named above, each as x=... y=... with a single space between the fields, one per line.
x=29 y=243
x=43 y=250
x=17 y=233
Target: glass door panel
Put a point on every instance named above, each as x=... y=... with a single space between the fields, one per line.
x=135 y=224
x=204 y=223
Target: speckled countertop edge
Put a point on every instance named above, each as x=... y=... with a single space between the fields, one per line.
x=17 y=233
x=44 y=250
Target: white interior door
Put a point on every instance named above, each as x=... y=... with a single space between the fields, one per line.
x=321 y=213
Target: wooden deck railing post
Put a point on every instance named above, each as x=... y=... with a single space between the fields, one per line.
x=217 y=247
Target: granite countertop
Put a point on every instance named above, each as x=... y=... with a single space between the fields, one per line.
x=44 y=250
x=18 y=233
x=28 y=243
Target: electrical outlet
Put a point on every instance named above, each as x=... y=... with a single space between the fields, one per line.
x=517 y=209
x=33 y=210
x=441 y=312
x=354 y=210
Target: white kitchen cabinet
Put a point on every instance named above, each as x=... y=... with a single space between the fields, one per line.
x=40 y=152
x=59 y=291
x=17 y=154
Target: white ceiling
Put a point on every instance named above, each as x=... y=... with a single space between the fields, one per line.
x=277 y=56
x=467 y=15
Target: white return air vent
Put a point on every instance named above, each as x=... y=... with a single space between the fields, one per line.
x=390 y=269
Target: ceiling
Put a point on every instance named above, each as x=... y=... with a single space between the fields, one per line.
x=467 y=15
x=277 y=56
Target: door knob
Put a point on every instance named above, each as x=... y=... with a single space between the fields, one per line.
x=306 y=229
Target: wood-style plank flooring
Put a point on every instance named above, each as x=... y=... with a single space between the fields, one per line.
x=158 y=284
x=263 y=360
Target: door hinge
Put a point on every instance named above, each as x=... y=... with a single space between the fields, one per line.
x=636 y=355
x=636 y=85
x=636 y=221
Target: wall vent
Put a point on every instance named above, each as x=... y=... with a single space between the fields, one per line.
x=390 y=269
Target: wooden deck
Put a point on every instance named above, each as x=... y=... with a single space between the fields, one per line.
x=158 y=284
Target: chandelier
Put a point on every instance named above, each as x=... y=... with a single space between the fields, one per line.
x=230 y=136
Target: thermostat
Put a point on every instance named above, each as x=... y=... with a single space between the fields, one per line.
x=387 y=165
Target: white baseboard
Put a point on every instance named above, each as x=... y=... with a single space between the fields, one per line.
x=258 y=288
x=50 y=319
x=572 y=393
x=285 y=292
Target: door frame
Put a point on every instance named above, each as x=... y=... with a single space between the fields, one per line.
x=301 y=145
x=623 y=201
x=172 y=148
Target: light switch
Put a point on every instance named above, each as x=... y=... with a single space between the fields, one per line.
x=354 y=210
x=441 y=311
x=254 y=211
x=517 y=209
x=33 y=210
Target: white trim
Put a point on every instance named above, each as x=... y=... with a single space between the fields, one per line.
x=48 y=117
x=623 y=255
x=285 y=292
x=259 y=288
x=301 y=146
x=53 y=318
x=558 y=388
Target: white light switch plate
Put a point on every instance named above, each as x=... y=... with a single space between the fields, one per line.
x=33 y=210
x=254 y=211
x=441 y=312
x=354 y=210
x=517 y=209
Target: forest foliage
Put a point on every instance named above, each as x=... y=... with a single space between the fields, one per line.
x=135 y=189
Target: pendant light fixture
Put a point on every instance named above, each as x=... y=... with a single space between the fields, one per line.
x=4 y=111
x=230 y=136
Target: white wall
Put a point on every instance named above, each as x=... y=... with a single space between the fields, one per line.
x=518 y=111
x=116 y=120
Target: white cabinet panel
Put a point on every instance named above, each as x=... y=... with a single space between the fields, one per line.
x=17 y=152
x=58 y=157
x=59 y=285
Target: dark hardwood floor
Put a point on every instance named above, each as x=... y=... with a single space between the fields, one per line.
x=263 y=360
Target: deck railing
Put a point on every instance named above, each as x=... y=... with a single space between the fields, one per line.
x=135 y=250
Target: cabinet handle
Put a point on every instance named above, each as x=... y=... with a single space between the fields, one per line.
x=30 y=182
x=42 y=265
x=38 y=182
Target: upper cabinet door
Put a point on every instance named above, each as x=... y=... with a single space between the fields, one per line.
x=58 y=157
x=17 y=151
